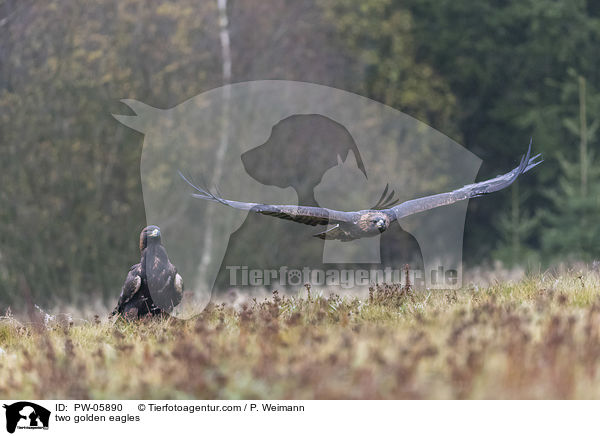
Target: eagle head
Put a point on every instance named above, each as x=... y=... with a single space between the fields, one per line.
x=374 y=222
x=149 y=235
x=380 y=224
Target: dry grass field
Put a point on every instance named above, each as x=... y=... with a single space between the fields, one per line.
x=535 y=338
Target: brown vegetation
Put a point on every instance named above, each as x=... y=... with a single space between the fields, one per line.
x=539 y=338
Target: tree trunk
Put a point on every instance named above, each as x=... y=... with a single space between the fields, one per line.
x=583 y=136
x=206 y=258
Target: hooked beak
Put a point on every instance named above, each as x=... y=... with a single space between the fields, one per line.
x=381 y=224
x=155 y=233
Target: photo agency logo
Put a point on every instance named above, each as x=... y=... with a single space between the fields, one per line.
x=254 y=178
x=343 y=278
x=24 y=415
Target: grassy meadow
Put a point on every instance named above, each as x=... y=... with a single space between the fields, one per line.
x=535 y=338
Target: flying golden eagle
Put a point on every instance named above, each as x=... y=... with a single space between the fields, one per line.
x=348 y=226
x=153 y=286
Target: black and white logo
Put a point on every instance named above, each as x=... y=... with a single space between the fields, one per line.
x=26 y=415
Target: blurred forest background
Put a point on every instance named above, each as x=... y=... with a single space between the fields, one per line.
x=488 y=74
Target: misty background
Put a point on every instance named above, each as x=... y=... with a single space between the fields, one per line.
x=489 y=75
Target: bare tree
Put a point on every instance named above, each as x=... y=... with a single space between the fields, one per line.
x=224 y=139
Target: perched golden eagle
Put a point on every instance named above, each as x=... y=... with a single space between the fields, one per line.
x=153 y=286
x=348 y=226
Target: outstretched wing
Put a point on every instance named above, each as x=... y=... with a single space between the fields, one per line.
x=301 y=214
x=469 y=191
